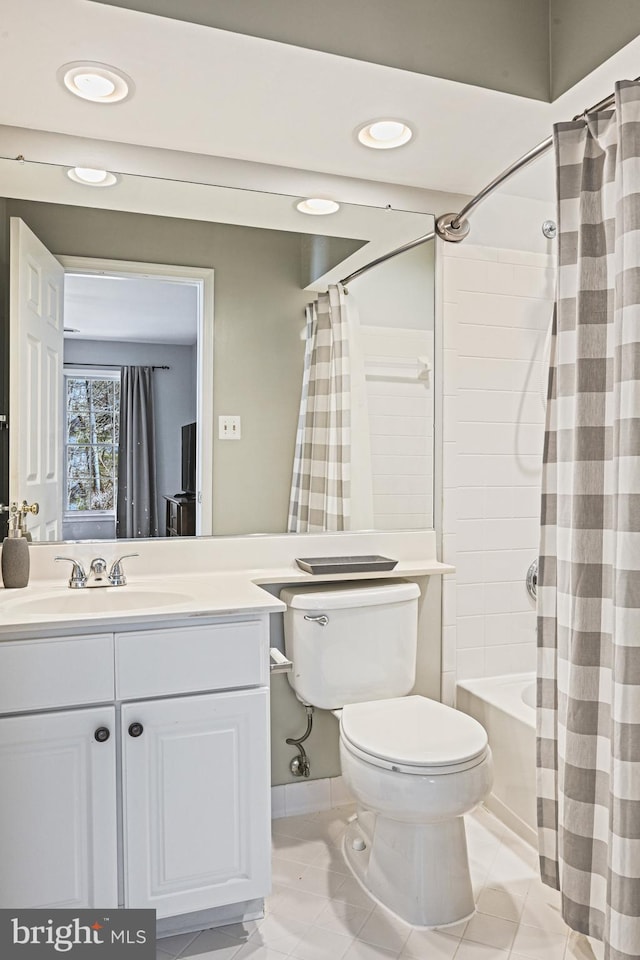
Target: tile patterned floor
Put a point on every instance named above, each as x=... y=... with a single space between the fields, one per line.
x=317 y=911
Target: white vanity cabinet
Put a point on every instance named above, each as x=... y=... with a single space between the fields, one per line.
x=141 y=755
x=195 y=817
x=195 y=768
x=58 y=840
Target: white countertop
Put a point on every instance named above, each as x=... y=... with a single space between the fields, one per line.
x=49 y=605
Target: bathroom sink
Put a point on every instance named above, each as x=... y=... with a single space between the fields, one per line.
x=97 y=600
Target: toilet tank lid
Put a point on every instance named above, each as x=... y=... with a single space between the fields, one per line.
x=335 y=596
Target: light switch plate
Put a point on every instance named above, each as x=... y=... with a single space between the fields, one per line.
x=229 y=428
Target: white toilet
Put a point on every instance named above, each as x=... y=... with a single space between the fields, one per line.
x=414 y=765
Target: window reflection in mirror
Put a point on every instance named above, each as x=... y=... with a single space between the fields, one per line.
x=91 y=408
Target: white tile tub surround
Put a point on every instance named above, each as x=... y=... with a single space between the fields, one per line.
x=400 y=405
x=497 y=310
x=505 y=706
x=317 y=911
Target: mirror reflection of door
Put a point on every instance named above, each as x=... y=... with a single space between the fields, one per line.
x=65 y=452
x=35 y=380
x=145 y=324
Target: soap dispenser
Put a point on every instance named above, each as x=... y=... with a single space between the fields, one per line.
x=15 y=553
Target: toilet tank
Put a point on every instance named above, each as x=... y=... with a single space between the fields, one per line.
x=351 y=642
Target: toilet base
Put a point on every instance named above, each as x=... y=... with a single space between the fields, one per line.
x=418 y=871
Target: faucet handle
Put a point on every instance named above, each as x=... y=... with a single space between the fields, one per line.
x=78 y=576
x=116 y=574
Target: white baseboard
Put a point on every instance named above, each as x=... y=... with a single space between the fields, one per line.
x=205 y=919
x=308 y=796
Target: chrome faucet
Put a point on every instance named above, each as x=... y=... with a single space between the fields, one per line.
x=98 y=573
x=98 y=570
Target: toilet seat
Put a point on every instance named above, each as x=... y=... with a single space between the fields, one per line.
x=413 y=735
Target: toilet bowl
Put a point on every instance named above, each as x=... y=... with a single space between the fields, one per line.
x=415 y=768
x=414 y=765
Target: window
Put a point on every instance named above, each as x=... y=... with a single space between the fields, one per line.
x=92 y=410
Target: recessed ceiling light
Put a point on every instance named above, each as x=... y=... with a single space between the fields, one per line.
x=97 y=82
x=92 y=177
x=317 y=206
x=384 y=134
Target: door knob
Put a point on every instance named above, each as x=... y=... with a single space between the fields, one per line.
x=102 y=734
x=135 y=729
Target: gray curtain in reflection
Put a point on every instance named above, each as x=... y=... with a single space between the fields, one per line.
x=321 y=486
x=137 y=504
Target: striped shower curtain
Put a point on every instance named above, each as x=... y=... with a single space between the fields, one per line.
x=589 y=580
x=320 y=489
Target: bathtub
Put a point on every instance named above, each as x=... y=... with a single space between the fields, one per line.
x=505 y=706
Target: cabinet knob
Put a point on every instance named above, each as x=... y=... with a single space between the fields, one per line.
x=102 y=734
x=135 y=729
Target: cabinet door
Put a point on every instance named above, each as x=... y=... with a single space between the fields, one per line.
x=58 y=843
x=196 y=801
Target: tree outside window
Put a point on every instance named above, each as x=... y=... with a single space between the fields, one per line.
x=91 y=441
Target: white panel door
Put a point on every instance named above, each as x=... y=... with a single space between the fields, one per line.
x=58 y=842
x=35 y=380
x=196 y=801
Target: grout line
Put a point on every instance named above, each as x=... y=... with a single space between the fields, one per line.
x=499 y=293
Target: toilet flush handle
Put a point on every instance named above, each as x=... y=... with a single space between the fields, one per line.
x=322 y=620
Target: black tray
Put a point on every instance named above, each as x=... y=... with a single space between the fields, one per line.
x=345 y=564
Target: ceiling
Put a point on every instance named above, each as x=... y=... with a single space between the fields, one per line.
x=210 y=91
x=130 y=309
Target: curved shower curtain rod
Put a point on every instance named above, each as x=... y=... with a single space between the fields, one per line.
x=454 y=227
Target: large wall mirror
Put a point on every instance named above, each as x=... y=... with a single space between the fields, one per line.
x=207 y=289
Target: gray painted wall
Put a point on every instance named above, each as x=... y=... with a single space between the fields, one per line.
x=257 y=351
x=4 y=352
x=174 y=394
x=532 y=48
x=585 y=33
x=500 y=44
